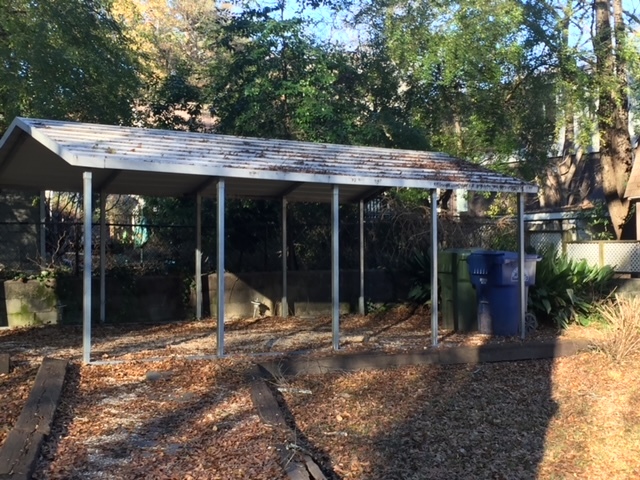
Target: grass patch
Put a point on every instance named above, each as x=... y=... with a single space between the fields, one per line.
x=622 y=339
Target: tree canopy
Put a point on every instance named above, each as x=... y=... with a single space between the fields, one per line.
x=66 y=59
x=506 y=83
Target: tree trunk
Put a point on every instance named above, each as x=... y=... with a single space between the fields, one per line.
x=613 y=117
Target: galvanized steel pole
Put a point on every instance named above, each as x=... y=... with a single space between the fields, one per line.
x=221 y=233
x=103 y=257
x=198 y=259
x=361 y=298
x=284 y=305
x=335 y=266
x=522 y=297
x=43 y=228
x=434 y=267
x=86 y=274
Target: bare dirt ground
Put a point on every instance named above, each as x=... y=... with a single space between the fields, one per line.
x=576 y=417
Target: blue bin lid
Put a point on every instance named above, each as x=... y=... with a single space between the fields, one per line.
x=480 y=262
x=508 y=257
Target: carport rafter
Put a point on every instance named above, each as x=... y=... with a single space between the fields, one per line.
x=202 y=186
x=289 y=190
x=104 y=185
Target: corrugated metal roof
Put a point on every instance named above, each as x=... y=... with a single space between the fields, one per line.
x=47 y=154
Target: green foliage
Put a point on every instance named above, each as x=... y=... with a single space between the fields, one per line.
x=278 y=82
x=271 y=78
x=373 y=308
x=64 y=59
x=419 y=269
x=598 y=222
x=175 y=103
x=472 y=78
x=568 y=291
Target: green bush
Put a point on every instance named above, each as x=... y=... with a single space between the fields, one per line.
x=419 y=269
x=568 y=291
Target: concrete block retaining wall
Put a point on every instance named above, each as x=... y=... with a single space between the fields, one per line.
x=169 y=298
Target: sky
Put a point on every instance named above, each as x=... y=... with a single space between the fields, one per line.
x=329 y=26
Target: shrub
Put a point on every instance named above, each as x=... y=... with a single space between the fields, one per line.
x=623 y=337
x=568 y=291
x=419 y=269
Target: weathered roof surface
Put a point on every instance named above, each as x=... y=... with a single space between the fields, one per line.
x=47 y=154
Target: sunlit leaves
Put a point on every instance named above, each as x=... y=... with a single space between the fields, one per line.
x=64 y=59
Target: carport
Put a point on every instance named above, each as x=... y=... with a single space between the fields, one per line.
x=80 y=157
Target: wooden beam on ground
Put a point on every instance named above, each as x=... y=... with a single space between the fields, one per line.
x=19 y=454
x=267 y=405
x=442 y=356
x=5 y=363
x=296 y=462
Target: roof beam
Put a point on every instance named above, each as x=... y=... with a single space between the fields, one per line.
x=202 y=186
x=290 y=189
x=368 y=195
x=109 y=180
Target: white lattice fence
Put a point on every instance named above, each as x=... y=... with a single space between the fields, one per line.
x=546 y=242
x=623 y=256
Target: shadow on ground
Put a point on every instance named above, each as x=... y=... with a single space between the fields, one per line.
x=469 y=421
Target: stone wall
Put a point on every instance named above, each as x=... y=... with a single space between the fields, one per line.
x=309 y=292
x=169 y=298
x=129 y=300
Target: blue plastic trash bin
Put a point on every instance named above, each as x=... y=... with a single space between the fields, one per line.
x=495 y=276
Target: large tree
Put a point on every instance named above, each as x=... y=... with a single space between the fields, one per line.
x=612 y=56
x=469 y=75
x=64 y=59
x=595 y=60
x=176 y=41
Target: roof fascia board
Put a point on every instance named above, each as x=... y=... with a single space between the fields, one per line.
x=321 y=178
x=49 y=143
x=9 y=132
x=543 y=216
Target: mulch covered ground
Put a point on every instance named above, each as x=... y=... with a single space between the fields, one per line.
x=396 y=329
x=14 y=390
x=575 y=417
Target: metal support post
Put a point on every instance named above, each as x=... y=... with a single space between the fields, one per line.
x=335 y=267
x=43 y=228
x=361 y=310
x=86 y=274
x=284 y=302
x=522 y=297
x=198 y=278
x=220 y=269
x=103 y=256
x=434 y=267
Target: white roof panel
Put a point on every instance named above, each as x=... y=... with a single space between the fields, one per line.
x=48 y=154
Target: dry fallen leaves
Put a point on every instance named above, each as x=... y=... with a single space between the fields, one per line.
x=570 y=418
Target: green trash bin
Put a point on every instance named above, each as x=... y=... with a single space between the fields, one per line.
x=458 y=301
